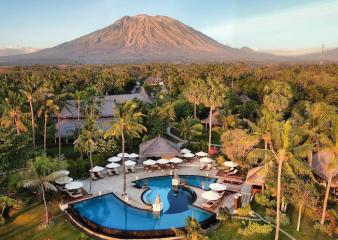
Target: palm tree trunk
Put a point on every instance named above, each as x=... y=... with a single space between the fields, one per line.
x=45 y=133
x=32 y=118
x=16 y=126
x=299 y=216
x=59 y=136
x=309 y=157
x=195 y=110
x=91 y=167
x=124 y=166
x=210 y=127
x=45 y=204
x=78 y=116
x=265 y=148
x=280 y=163
x=326 y=198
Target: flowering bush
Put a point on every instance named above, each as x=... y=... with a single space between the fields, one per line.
x=255 y=228
x=244 y=211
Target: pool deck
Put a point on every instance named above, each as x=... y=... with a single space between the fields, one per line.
x=115 y=183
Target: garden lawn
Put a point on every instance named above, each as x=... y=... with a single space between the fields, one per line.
x=25 y=227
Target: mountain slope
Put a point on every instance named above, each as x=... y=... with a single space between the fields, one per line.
x=141 y=38
x=329 y=56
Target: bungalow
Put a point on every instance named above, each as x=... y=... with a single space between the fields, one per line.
x=215 y=119
x=69 y=116
x=320 y=168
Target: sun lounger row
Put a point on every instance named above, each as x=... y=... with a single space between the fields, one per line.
x=211 y=205
x=96 y=175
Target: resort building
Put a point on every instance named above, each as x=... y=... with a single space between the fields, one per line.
x=69 y=113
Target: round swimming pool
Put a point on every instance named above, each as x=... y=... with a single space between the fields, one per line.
x=109 y=215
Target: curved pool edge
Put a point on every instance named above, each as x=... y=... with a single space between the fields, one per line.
x=100 y=232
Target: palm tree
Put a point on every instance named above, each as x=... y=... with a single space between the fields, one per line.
x=330 y=144
x=213 y=97
x=31 y=88
x=189 y=127
x=42 y=172
x=78 y=96
x=48 y=107
x=193 y=230
x=284 y=149
x=192 y=92
x=127 y=121
x=12 y=115
x=87 y=140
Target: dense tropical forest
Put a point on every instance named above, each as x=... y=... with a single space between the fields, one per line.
x=275 y=116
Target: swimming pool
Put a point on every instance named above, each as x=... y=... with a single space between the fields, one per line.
x=110 y=215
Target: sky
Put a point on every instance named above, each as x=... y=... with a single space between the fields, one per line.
x=259 y=24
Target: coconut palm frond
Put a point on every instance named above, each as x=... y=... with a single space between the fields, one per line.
x=49 y=186
x=260 y=154
x=303 y=150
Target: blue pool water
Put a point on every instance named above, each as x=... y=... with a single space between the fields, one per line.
x=110 y=212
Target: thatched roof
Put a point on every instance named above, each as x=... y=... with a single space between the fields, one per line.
x=159 y=147
x=214 y=119
x=256 y=176
x=320 y=166
x=108 y=104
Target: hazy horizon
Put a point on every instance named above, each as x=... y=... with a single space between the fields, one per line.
x=283 y=28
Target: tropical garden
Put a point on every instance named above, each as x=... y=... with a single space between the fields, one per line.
x=275 y=116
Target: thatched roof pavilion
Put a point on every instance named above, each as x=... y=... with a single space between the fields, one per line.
x=256 y=176
x=320 y=167
x=159 y=147
x=214 y=119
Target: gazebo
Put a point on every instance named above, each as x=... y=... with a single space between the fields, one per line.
x=215 y=121
x=256 y=178
x=159 y=147
x=320 y=169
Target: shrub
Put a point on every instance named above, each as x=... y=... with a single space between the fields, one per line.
x=220 y=161
x=263 y=200
x=244 y=211
x=255 y=228
x=325 y=228
x=224 y=214
x=270 y=215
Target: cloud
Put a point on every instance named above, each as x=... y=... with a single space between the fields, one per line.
x=304 y=26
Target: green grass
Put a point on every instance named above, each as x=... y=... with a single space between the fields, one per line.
x=229 y=230
x=26 y=227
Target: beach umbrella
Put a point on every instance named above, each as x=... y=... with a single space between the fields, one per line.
x=126 y=155
x=133 y=155
x=96 y=169
x=114 y=159
x=130 y=163
x=74 y=185
x=230 y=164
x=211 y=195
x=217 y=187
x=201 y=154
x=64 y=180
x=162 y=161
x=205 y=160
x=62 y=172
x=112 y=165
x=188 y=155
x=184 y=150
x=149 y=162
x=176 y=160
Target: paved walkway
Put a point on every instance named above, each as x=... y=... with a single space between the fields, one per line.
x=115 y=183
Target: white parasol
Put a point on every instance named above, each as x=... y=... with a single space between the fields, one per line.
x=149 y=162
x=96 y=169
x=133 y=155
x=114 y=159
x=201 y=154
x=64 y=180
x=162 y=161
x=74 y=185
x=188 y=155
x=205 y=160
x=184 y=150
x=112 y=165
x=126 y=155
x=217 y=187
x=62 y=172
x=230 y=164
x=211 y=196
x=130 y=163
x=176 y=160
